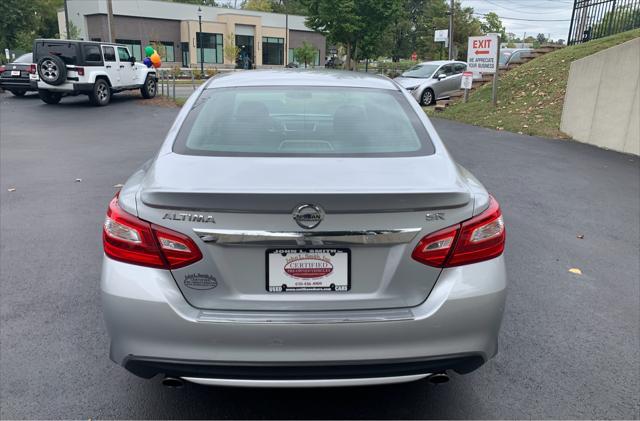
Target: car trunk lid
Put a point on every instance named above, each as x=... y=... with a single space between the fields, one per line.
x=240 y=212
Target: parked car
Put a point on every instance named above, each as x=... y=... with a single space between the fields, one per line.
x=302 y=229
x=432 y=80
x=66 y=67
x=15 y=76
x=510 y=55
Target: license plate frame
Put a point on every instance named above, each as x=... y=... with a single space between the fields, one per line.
x=340 y=259
x=15 y=73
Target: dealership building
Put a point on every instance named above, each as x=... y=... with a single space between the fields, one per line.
x=266 y=39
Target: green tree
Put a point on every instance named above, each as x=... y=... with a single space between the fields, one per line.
x=541 y=38
x=493 y=25
x=357 y=24
x=74 y=32
x=305 y=54
x=231 y=50
x=258 y=5
x=21 y=21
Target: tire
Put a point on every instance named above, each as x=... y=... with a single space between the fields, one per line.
x=52 y=70
x=427 y=97
x=18 y=92
x=101 y=93
x=150 y=87
x=50 y=97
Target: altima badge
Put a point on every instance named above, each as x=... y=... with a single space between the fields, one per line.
x=308 y=216
x=189 y=217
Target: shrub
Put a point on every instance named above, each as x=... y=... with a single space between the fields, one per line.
x=211 y=71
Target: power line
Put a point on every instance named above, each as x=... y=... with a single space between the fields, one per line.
x=526 y=20
x=521 y=10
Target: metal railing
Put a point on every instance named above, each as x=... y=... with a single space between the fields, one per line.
x=593 y=19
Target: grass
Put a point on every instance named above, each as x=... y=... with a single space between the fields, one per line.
x=530 y=97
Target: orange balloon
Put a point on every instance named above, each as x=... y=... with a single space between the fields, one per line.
x=155 y=58
x=156 y=65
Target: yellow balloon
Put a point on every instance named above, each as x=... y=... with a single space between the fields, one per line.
x=155 y=58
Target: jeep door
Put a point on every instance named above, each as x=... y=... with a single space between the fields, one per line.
x=111 y=64
x=127 y=69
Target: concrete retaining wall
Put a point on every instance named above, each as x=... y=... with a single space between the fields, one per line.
x=601 y=106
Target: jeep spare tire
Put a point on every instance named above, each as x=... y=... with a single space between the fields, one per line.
x=52 y=70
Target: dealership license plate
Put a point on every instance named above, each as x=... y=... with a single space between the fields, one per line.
x=15 y=73
x=299 y=270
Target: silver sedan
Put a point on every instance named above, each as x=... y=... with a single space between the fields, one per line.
x=432 y=80
x=302 y=229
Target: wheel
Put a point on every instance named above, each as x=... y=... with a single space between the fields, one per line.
x=427 y=97
x=18 y=92
x=52 y=70
x=101 y=94
x=150 y=87
x=50 y=97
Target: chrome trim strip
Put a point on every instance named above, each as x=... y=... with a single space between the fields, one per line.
x=306 y=317
x=306 y=383
x=258 y=237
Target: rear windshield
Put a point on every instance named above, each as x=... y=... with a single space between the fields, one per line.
x=302 y=121
x=65 y=50
x=25 y=58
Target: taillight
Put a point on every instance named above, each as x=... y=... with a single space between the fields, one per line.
x=477 y=239
x=80 y=71
x=131 y=240
x=32 y=69
x=2 y=69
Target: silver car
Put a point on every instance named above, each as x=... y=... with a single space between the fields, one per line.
x=432 y=80
x=302 y=229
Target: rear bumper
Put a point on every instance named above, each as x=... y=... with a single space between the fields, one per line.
x=155 y=331
x=67 y=87
x=22 y=84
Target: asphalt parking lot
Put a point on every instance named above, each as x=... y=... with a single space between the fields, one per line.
x=569 y=346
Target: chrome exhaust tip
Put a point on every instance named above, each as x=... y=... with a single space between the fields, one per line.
x=438 y=378
x=172 y=382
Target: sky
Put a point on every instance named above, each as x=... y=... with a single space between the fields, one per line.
x=530 y=16
x=550 y=17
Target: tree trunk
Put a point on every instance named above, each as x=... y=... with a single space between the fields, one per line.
x=347 y=63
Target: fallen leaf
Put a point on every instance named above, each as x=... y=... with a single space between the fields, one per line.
x=575 y=271
x=11 y=189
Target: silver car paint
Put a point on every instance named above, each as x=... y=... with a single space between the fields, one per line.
x=441 y=88
x=452 y=311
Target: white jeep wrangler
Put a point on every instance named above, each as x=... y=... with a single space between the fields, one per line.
x=97 y=69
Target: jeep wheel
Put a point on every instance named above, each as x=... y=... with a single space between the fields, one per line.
x=52 y=70
x=50 y=97
x=18 y=92
x=148 y=90
x=101 y=94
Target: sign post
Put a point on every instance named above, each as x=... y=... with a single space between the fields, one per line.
x=482 y=57
x=466 y=83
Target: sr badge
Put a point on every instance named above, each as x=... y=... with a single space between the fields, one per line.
x=200 y=281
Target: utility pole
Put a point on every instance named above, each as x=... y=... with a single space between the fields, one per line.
x=112 y=31
x=66 y=19
x=451 y=30
x=286 y=34
x=201 y=44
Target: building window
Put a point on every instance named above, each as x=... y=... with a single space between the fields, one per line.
x=272 y=51
x=212 y=46
x=134 y=46
x=165 y=49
